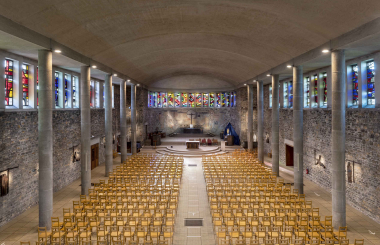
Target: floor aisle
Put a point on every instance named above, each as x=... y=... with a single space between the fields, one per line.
x=193 y=203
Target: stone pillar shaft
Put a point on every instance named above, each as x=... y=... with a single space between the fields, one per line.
x=85 y=112
x=250 y=116
x=260 y=120
x=123 y=121
x=133 y=118
x=338 y=68
x=45 y=138
x=298 y=127
x=108 y=122
x=275 y=126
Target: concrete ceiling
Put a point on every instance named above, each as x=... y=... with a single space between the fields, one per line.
x=154 y=40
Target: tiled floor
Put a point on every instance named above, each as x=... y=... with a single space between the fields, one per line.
x=192 y=204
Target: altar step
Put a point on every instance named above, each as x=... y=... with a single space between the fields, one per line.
x=192 y=152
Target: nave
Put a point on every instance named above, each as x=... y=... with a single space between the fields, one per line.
x=230 y=220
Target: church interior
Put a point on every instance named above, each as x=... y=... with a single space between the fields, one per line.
x=190 y=122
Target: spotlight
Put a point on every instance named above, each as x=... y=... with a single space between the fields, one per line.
x=94 y=66
x=325 y=51
x=289 y=66
x=129 y=80
x=57 y=51
x=115 y=75
x=268 y=75
x=245 y=84
x=138 y=84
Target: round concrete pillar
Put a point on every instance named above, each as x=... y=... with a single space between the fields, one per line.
x=133 y=119
x=250 y=116
x=123 y=121
x=108 y=122
x=260 y=120
x=275 y=126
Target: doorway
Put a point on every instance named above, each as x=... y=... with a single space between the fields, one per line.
x=94 y=156
x=289 y=155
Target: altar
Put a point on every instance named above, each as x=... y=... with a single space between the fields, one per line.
x=192 y=144
x=193 y=131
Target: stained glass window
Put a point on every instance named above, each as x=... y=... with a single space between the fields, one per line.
x=150 y=100
x=91 y=93
x=113 y=96
x=191 y=100
x=212 y=99
x=75 y=80
x=324 y=79
x=97 y=96
x=355 y=85
x=56 y=86
x=307 y=91
x=205 y=100
x=66 y=92
x=184 y=99
x=8 y=82
x=315 y=90
x=25 y=85
x=37 y=86
x=371 y=82
x=218 y=102
x=198 y=100
x=104 y=96
x=285 y=92
x=290 y=94
x=270 y=96
x=159 y=100
x=177 y=99
x=164 y=100
x=154 y=102
x=170 y=100
x=232 y=99
x=228 y=98
x=223 y=99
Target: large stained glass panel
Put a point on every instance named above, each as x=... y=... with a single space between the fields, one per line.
x=154 y=102
x=223 y=99
x=212 y=99
x=37 y=86
x=9 y=82
x=324 y=81
x=25 y=85
x=371 y=82
x=315 y=90
x=290 y=94
x=286 y=96
x=228 y=99
x=164 y=99
x=198 y=100
x=170 y=100
x=307 y=91
x=232 y=99
x=75 y=80
x=205 y=100
x=270 y=96
x=56 y=86
x=66 y=92
x=355 y=85
x=159 y=100
x=150 y=99
x=218 y=100
x=184 y=99
x=177 y=99
x=191 y=100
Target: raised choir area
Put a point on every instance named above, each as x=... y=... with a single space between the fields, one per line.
x=136 y=205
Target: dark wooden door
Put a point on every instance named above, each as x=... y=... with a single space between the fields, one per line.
x=94 y=156
x=289 y=155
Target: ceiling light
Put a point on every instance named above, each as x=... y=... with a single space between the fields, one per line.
x=289 y=66
x=268 y=75
x=57 y=51
x=245 y=84
x=93 y=66
x=325 y=51
x=138 y=84
x=115 y=75
x=128 y=80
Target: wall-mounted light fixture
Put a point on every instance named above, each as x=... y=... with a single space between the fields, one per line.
x=319 y=162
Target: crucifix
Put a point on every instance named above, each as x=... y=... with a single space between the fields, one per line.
x=191 y=115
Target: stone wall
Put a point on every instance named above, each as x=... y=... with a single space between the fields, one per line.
x=362 y=146
x=19 y=147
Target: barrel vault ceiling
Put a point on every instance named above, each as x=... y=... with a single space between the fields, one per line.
x=156 y=40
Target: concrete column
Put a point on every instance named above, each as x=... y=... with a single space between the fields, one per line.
x=123 y=121
x=338 y=68
x=275 y=126
x=133 y=118
x=45 y=138
x=298 y=104
x=85 y=129
x=260 y=120
x=250 y=116
x=108 y=118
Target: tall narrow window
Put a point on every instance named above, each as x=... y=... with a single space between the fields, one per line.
x=154 y=99
x=113 y=96
x=66 y=91
x=75 y=101
x=212 y=99
x=159 y=100
x=324 y=89
x=191 y=100
x=150 y=100
x=164 y=99
x=270 y=96
x=286 y=97
x=104 y=96
x=37 y=86
x=218 y=100
x=371 y=82
x=177 y=99
x=232 y=99
x=290 y=94
x=97 y=95
x=56 y=86
x=307 y=91
x=9 y=82
x=92 y=94
x=170 y=100
x=198 y=100
x=315 y=90
x=223 y=99
x=205 y=100
x=25 y=85
x=184 y=99
x=355 y=85
x=228 y=99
